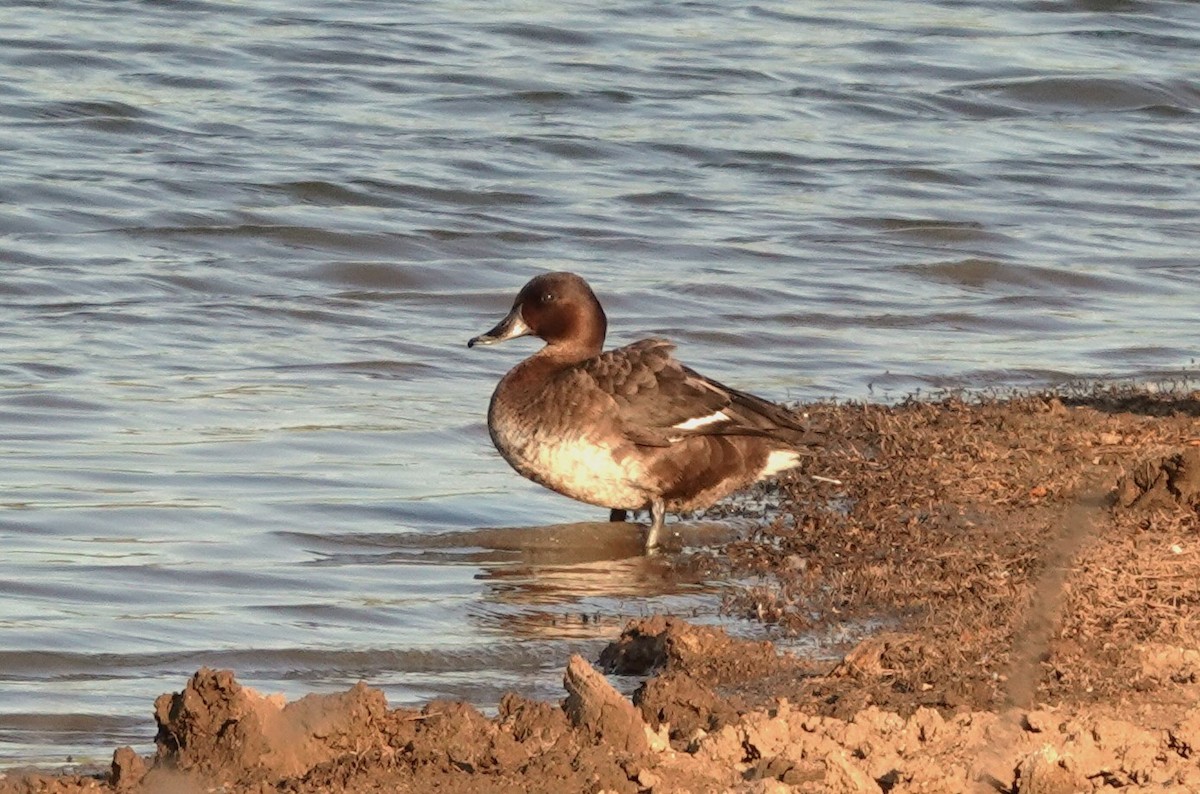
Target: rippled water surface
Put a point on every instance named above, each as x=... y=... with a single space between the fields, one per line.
x=243 y=245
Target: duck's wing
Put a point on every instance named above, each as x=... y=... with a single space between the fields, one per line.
x=660 y=401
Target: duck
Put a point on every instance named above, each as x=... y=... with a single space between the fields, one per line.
x=629 y=429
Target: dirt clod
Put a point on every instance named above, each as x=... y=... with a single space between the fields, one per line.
x=1044 y=772
x=1163 y=482
x=593 y=706
x=220 y=730
x=683 y=703
x=128 y=769
x=673 y=645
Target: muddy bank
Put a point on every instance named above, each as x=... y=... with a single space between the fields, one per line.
x=216 y=734
x=1035 y=563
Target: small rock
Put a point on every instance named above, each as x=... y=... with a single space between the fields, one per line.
x=841 y=774
x=925 y=724
x=1045 y=772
x=1040 y=721
x=660 y=740
x=647 y=779
x=767 y=736
x=723 y=746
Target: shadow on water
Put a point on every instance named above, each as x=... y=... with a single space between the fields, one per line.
x=551 y=544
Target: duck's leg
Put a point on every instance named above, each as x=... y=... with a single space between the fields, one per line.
x=616 y=514
x=658 y=512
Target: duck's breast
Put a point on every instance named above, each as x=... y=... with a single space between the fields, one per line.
x=567 y=446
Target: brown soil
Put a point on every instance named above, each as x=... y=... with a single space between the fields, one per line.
x=1031 y=569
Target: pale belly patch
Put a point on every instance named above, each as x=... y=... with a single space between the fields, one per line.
x=580 y=468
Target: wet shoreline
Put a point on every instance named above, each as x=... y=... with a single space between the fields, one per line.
x=1040 y=554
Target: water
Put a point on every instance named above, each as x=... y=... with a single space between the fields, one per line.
x=243 y=245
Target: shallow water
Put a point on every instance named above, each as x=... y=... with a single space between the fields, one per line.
x=243 y=246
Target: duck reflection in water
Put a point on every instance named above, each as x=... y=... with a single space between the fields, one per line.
x=583 y=580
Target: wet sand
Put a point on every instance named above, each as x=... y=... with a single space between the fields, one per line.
x=1031 y=565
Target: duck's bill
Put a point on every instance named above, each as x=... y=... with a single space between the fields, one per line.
x=510 y=327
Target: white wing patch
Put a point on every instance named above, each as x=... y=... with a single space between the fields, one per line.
x=701 y=421
x=780 y=460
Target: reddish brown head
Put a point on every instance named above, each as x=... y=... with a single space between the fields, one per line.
x=559 y=308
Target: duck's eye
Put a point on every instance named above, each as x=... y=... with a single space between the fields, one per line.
x=547 y=297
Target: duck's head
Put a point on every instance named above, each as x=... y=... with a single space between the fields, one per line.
x=559 y=308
